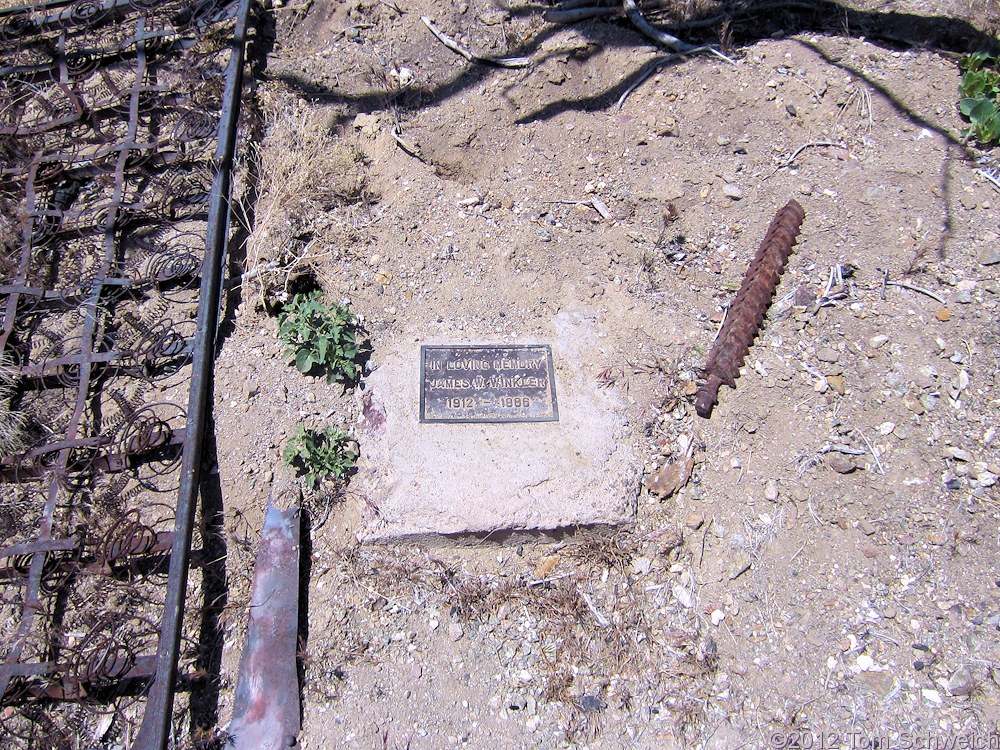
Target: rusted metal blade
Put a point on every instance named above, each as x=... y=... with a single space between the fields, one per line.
x=266 y=711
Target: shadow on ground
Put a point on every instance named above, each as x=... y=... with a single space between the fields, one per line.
x=733 y=26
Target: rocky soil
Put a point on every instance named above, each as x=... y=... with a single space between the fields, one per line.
x=831 y=564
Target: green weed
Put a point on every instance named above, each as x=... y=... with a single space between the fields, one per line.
x=980 y=92
x=320 y=336
x=320 y=454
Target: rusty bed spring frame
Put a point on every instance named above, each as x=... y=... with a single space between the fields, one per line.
x=117 y=131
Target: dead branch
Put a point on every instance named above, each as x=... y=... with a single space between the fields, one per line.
x=795 y=154
x=447 y=41
x=662 y=37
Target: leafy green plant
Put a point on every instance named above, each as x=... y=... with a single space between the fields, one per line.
x=980 y=92
x=320 y=336
x=329 y=452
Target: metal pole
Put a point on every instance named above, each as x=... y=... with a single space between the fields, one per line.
x=155 y=727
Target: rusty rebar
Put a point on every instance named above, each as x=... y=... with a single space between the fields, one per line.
x=746 y=313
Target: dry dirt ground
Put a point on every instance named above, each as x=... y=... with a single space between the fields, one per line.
x=831 y=571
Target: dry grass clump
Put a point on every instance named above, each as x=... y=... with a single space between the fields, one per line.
x=12 y=423
x=304 y=175
x=478 y=597
x=604 y=638
x=614 y=552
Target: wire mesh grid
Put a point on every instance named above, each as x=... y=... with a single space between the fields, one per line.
x=111 y=116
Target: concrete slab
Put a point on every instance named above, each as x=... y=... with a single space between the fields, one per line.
x=450 y=480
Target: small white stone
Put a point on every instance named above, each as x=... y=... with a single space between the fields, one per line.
x=986 y=479
x=684 y=596
x=717 y=616
x=771 y=491
x=865 y=662
x=875 y=342
x=641 y=566
x=735 y=192
x=886 y=428
x=931 y=696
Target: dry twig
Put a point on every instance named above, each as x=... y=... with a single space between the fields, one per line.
x=912 y=287
x=447 y=41
x=836 y=288
x=408 y=146
x=813 y=371
x=874 y=453
x=596 y=203
x=602 y=621
x=662 y=37
x=795 y=154
x=840 y=448
x=722 y=323
x=993 y=176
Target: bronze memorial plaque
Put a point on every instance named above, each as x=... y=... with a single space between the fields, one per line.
x=487 y=384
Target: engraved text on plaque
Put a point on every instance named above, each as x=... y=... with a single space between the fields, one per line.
x=487 y=384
